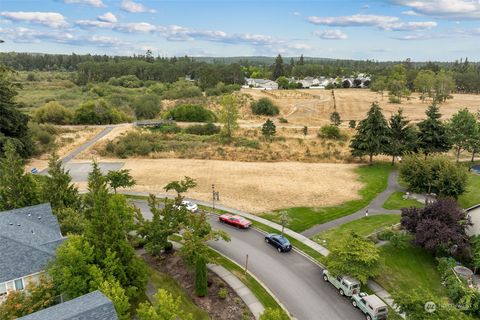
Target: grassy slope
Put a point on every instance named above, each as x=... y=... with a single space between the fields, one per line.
x=408 y=269
x=363 y=227
x=396 y=202
x=472 y=196
x=374 y=179
x=163 y=281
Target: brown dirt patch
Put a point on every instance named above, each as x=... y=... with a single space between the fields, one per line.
x=231 y=308
x=254 y=187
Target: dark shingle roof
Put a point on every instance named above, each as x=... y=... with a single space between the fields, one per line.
x=28 y=240
x=92 y=306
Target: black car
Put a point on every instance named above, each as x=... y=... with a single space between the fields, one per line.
x=279 y=242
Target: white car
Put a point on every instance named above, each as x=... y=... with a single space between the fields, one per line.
x=191 y=206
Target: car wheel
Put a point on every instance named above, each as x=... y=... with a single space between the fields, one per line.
x=368 y=317
x=325 y=277
x=266 y=240
x=279 y=249
x=354 y=303
x=341 y=292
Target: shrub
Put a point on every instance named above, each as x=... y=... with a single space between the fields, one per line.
x=31 y=77
x=385 y=235
x=167 y=128
x=352 y=124
x=221 y=89
x=182 y=89
x=222 y=293
x=283 y=120
x=191 y=113
x=53 y=112
x=98 y=112
x=203 y=129
x=331 y=132
x=129 y=81
x=265 y=107
x=147 y=106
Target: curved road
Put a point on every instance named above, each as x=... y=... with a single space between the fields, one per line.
x=295 y=280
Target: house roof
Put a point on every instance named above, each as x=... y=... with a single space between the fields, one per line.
x=28 y=240
x=92 y=306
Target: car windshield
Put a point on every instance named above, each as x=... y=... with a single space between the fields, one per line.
x=282 y=240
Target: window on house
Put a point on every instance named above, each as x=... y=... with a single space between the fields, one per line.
x=3 y=289
x=19 y=284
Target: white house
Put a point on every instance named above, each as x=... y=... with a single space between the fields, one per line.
x=261 y=84
x=28 y=240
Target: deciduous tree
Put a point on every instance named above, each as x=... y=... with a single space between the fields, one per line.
x=462 y=131
x=229 y=115
x=335 y=118
x=166 y=307
x=120 y=179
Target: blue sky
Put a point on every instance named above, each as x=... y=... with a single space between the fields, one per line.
x=377 y=29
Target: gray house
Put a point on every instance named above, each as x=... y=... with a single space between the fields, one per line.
x=28 y=240
x=92 y=306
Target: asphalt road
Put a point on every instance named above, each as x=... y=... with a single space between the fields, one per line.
x=295 y=280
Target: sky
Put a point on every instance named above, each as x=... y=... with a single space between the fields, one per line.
x=430 y=30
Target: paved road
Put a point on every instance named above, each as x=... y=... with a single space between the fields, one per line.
x=374 y=208
x=295 y=280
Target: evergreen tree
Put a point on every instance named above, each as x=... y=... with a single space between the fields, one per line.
x=372 y=135
x=335 y=118
x=403 y=136
x=17 y=189
x=433 y=135
x=301 y=62
x=268 y=129
x=278 y=68
x=462 y=131
x=13 y=123
x=57 y=188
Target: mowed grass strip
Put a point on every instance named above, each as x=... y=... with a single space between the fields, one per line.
x=396 y=202
x=163 y=281
x=363 y=227
x=472 y=196
x=374 y=178
x=409 y=268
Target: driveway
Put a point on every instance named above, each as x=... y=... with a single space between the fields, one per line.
x=295 y=280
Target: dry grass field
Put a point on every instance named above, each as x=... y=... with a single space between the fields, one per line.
x=314 y=106
x=255 y=187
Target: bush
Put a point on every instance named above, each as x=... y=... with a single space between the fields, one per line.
x=98 y=112
x=53 y=112
x=203 y=129
x=182 y=89
x=147 y=106
x=265 y=107
x=222 y=293
x=130 y=81
x=434 y=174
x=385 y=235
x=331 y=132
x=191 y=113
x=283 y=120
x=352 y=124
x=221 y=89
x=167 y=128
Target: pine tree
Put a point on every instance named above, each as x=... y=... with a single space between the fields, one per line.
x=372 y=135
x=278 y=69
x=403 y=136
x=433 y=135
x=268 y=129
x=17 y=189
x=335 y=118
x=57 y=188
x=301 y=62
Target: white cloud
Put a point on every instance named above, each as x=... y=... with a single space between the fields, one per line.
x=26 y=35
x=140 y=27
x=331 y=34
x=51 y=19
x=94 y=23
x=410 y=13
x=352 y=21
x=93 y=3
x=449 y=9
x=296 y=13
x=135 y=7
x=108 y=17
x=365 y=20
x=416 y=36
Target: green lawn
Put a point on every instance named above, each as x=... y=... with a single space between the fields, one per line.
x=472 y=196
x=396 y=202
x=363 y=227
x=163 y=281
x=374 y=179
x=408 y=269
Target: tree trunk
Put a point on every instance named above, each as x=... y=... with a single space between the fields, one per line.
x=371 y=159
x=473 y=156
x=458 y=155
x=393 y=160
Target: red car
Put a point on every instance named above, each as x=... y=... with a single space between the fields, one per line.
x=235 y=221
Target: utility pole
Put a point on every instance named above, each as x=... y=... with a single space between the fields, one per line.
x=213 y=196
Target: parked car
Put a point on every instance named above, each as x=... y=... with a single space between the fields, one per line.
x=189 y=205
x=235 y=221
x=347 y=286
x=371 y=305
x=279 y=242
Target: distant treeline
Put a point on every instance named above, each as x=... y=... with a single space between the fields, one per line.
x=208 y=71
